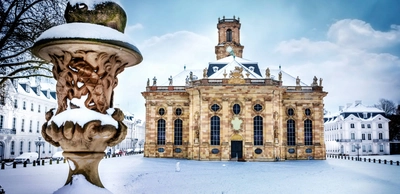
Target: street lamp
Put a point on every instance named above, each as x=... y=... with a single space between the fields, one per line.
x=358 y=151
x=134 y=128
x=39 y=143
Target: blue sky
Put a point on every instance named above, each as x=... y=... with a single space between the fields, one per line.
x=353 y=45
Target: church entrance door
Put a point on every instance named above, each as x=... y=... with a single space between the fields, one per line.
x=237 y=149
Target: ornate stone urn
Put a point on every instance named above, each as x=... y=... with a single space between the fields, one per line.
x=88 y=52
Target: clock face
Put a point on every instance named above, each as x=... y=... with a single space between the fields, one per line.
x=229 y=49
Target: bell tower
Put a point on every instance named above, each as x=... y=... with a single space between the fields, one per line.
x=228 y=36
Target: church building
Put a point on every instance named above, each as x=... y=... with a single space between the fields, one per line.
x=234 y=110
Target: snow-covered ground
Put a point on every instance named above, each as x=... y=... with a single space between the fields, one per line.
x=135 y=174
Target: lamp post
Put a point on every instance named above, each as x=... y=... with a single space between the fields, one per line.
x=39 y=143
x=358 y=151
x=138 y=121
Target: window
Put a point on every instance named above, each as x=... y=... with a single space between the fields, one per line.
x=236 y=109
x=353 y=136
x=12 y=148
x=178 y=132
x=363 y=126
x=380 y=136
x=161 y=132
x=258 y=130
x=290 y=112
x=29 y=146
x=38 y=108
x=352 y=125
x=31 y=106
x=161 y=111
x=2 y=101
x=365 y=115
x=257 y=107
x=215 y=130
x=370 y=148
x=30 y=126
x=15 y=103
x=380 y=125
x=291 y=140
x=363 y=136
x=369 y=136
x=353 y=148
x=215 y=107
x=307 y=112
x=22 y=125
x=381 y=148
x=1 y=121
x=14 y=125
x=37 y=127
x=24 y=105
x=363 y=148
x=229 y=35
x=308 y=132
x=178 y=111
x=368 y=126
x=21 y=147
x=49 y=148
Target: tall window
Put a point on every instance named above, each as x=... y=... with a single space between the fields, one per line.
x=178 y=132
x=161 y=132
x=1 y=121
x=308 y=132
x=31 y=106
x=24 y=105
x=215 y=130
x=14 y=125
x=38 y=108
x=12 y=148
x=22 y=125
x=352 y=125
x=381 y=148
x=380 y=136
x=2 y=101
x=291 y=135
x=353 y=136
x=370 y=148
x=29 y=146
x=369 y=136
x=37 y=127
x=30 y=126
x=363 y=136
x=15 y=103
x=21 y=147
x=229 y=35
x=380 y=125
x=258 y=130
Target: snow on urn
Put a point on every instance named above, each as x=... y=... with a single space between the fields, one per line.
x=88 y=52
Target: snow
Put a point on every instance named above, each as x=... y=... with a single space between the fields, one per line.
x=82 y=116
x=136 y=174
x=86 y=31
x=89 y=3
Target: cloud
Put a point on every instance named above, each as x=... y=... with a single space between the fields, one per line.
x=350 y=71
x=163 y=56
x=359 y=34
x=132 y=28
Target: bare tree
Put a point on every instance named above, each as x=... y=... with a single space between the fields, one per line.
x=21 y=22
x=389 y=107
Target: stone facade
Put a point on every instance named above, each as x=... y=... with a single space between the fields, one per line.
x=234 y=112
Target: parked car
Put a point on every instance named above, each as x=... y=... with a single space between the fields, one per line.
x=27 y=156
x=58 y=156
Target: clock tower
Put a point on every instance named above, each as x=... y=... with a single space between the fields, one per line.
x=228 y=36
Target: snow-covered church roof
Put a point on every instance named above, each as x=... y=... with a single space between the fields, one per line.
x=221 y=69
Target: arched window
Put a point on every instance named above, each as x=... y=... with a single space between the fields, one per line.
x=308 y=132
x=178 y=132
x=161 y=132
x=229 y=35
x=258 y=130
x=291 y=135
x=215 y=130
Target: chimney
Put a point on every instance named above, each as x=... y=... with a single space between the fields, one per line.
x=357 y=102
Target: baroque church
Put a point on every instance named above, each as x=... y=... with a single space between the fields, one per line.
x=234 y=110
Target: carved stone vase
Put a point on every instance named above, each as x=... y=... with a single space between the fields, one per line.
x=86 y=58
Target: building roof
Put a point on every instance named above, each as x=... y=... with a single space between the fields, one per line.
x=217 y=69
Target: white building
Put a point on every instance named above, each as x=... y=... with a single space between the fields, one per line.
x=357 y=130
x=22 y=114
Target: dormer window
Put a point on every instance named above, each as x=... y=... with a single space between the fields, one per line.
x=215 y=69
x=251 y=68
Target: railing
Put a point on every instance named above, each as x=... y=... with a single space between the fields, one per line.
x=360 y=158
x=380 y=140
x=8 y=131
x=348 y=140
